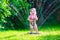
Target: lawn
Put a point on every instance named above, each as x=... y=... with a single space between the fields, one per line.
x=45 y=33
x=23 y=35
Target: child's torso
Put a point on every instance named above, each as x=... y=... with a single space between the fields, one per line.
x=32 y=17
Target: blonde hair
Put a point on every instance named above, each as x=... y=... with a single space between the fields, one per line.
x=33 y=10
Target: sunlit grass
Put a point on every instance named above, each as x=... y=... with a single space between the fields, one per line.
x=45 y=33
x=23 y=35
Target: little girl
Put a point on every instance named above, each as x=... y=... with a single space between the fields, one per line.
x=32 y=18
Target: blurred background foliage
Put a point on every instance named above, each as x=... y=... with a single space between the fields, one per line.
x=15 y=16
x=14 y=13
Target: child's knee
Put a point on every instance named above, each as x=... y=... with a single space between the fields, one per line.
x=31 y=27
x=35 y=26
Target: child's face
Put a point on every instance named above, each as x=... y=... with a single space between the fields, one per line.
x=32 y=11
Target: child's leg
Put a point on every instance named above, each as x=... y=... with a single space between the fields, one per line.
x=31 y=28
x=35 y=27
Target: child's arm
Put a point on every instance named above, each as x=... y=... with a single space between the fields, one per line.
x=36 y=18
x=29 y=20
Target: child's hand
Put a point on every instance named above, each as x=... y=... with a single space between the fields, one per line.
x=30 y=20
x=36 y=18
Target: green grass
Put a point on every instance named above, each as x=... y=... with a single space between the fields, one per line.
x=23 y=35
x=45 y=33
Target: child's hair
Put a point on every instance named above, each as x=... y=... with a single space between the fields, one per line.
x=33 y=10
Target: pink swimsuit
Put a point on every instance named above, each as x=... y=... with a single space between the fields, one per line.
x=32 y=17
